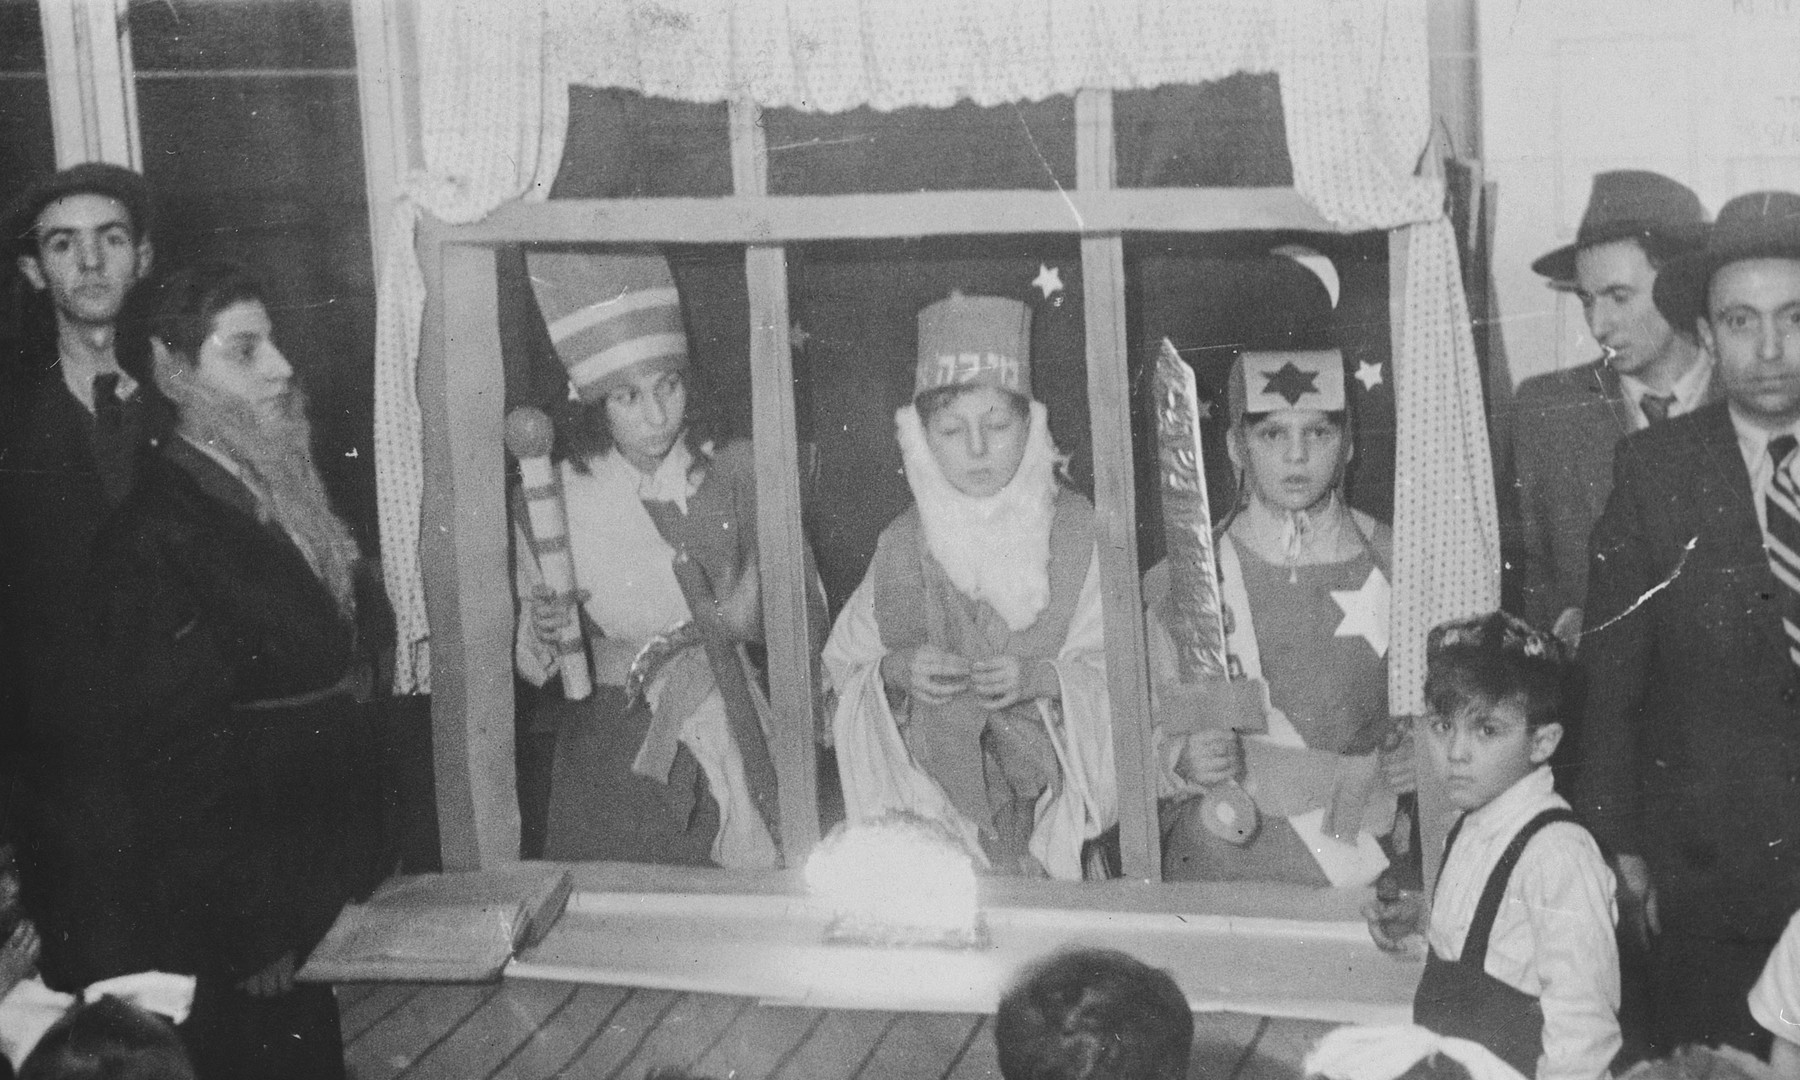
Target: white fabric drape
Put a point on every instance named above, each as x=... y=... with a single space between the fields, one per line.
x=493 y=112
x=1354 y=89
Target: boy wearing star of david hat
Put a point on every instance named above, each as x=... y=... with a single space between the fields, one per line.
x=970 y=664
x=1305 y=591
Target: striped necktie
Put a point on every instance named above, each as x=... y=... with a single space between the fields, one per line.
x=1783 y=508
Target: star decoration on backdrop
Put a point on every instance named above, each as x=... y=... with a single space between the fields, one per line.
x=797 y=336
x=1048 y=280
x=1369 y=375
x=1365 y=611
x=1292 y=383
x=1203 y=410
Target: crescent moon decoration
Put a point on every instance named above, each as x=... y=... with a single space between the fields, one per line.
x=1320 y=267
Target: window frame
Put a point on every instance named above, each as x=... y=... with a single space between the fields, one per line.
x=464 y=543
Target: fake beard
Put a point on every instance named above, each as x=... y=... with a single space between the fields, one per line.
x=272 y=448
x=995 y=548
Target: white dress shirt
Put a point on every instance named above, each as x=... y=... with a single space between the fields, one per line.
x=1689 y=392
x=1553 y=936
x=1753 y=444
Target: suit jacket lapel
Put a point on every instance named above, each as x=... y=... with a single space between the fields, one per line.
x=1606 y=384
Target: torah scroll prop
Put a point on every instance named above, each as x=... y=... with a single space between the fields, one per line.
x=1196 y=614
x=528 y=438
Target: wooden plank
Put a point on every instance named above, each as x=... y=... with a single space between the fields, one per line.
x=981 y=1058
x=793 y=671
x=839 y=1046
x=1115 y=502
x=1278 y=1053
x=492 y=1033
x=618 y=1040
x=463 y=556
x=781 y=542
x=348 y=994
x=921 y=1044
x=1222 y=1043
x=371 y=1008
x=685 y=1033
x=774 y=219
x=759 y=1041
x=406 y=1034
x=563 y=1034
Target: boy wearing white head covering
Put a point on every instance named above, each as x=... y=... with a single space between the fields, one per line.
x=969 y=665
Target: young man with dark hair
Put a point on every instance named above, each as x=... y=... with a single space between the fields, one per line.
x=1094 y=1014
x=1690 y=746
x=1568 y=421
x=81 y=240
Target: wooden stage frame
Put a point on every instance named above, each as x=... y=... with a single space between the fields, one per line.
x=464 y=541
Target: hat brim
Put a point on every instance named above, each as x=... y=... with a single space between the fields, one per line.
x=1681 y=286
x=1559 y=265
x=90 y=178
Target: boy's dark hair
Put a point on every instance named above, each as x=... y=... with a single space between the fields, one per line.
x=935 y=399
x=108 y=1039
x=179 y=310
x=1493 y=658
x=1093 y=1014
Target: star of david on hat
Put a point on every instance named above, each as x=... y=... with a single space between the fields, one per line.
x=1263 y=382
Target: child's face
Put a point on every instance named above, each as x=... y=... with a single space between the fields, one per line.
x=1480 y=752
x=1292 y=458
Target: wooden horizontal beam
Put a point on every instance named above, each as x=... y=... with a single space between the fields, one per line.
x=777 y=219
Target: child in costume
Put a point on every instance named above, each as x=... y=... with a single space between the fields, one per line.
x=1305 y=592
x=1775 y=1002
x=969 y=664
x=663 y=779
x=1522 y=954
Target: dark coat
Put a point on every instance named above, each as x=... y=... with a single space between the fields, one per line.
x=255 y=819
x=1564 y=430
x=60 y=472
x=1690 y=742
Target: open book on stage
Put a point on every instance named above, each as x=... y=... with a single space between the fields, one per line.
x=460 y=927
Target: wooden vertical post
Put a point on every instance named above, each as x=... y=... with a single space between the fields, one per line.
x=780 y=539
x=1115 y=497
x=463 y=555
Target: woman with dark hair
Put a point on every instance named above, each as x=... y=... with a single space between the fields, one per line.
x=234 y=648
x=1304 y=584
x=108 y=1039
x=658 y=775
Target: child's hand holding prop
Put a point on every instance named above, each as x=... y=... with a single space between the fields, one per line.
x=528 y=439
x=1207 y=698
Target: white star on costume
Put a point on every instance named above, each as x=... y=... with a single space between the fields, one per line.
x=1365 y=611
x=1049 y=280
x=1369 y=375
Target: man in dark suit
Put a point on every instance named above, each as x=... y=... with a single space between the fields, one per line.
x=81 y=240
x=1690 y=744
x=1567 y=421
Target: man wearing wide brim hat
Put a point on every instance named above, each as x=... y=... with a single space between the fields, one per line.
x=1690 y=735
x=1568 y=421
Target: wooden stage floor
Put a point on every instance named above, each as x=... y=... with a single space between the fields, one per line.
x=530 y=1030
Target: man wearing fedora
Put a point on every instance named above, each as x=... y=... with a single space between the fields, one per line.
x=81 y=240
x=1568 y=421
x=1690 y=739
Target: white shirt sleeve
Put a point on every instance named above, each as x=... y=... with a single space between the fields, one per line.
x=1775 y=999
x=1560 y=905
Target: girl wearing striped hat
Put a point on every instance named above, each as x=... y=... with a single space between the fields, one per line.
x=660 y=780
x=970 y=665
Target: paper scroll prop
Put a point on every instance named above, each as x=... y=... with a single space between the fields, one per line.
x=1196 y=614
x=528 y=439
